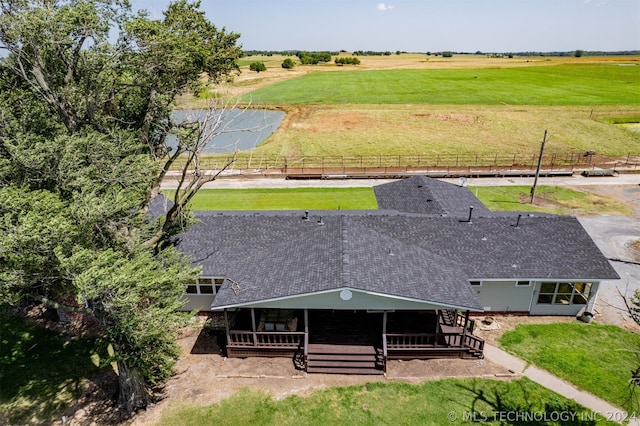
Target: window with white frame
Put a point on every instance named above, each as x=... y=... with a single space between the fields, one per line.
x=564 y=293
x=523 y=283
x=475 y=283
x=205 y=286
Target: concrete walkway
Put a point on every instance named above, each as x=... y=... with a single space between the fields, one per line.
x=549 y=381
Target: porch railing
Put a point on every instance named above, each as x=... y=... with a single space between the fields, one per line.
x=423 y=340
x=455 y=319
x=266 y=339
x=431 y=340
x=474 y=342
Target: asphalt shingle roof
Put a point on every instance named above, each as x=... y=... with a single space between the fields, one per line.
x=400 y=250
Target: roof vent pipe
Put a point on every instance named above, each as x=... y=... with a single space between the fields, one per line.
x=320 y=222
x=518 y=221
x=470 y=214
x=306 y=215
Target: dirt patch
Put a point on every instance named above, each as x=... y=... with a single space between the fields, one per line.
x=456 y=118
x=206 y=378
x=317 y=121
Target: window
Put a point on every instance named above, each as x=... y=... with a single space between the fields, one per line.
x=553 y=293
x=205 y=286
x=475 y=283
x=523 y=283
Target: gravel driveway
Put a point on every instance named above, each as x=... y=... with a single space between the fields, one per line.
x=615 y=236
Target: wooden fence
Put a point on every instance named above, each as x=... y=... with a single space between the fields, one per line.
x=404 y=164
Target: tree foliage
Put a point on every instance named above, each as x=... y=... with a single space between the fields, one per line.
x=288 y=64
x=257 y=66
x=347 y=60
x=84 y=123
x=313 y=58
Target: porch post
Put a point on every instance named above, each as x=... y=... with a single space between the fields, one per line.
x=384 y=334
x=306 y=333
x=253 y=326
x=437 y=336
x=226 y=325
x=464 y=327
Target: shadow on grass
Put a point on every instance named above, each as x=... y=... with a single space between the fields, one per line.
x=41 y=372
x=522 y=405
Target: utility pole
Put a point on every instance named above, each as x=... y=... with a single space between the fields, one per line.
x=535 y=181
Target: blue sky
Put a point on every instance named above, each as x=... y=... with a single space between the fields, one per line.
x=425 y=25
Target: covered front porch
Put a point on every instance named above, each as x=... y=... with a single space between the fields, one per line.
x=350 y=341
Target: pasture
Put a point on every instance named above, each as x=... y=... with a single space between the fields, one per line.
x=411 y=104
x=558 y=85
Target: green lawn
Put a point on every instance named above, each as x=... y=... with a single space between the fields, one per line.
x=284 y=199
x=596 y=358
x=556 y=200
x=549 y=199
x=443 y=402
x=601 y=84
x=41 y=372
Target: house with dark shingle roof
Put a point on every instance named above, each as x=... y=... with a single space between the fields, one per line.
x=344 y=291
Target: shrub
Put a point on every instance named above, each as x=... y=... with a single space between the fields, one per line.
x=347 y=61
x=288 y=64
x=257 y=66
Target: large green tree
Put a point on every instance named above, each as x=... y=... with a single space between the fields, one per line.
x=84 y=122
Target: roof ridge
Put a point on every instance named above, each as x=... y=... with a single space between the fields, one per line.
x=344 y=231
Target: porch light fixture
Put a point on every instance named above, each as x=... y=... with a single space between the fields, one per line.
x=346 y=294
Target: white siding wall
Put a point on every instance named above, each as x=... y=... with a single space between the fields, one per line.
x=504 y=296
x=197 y=302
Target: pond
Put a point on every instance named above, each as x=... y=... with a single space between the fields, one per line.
x=239 y=129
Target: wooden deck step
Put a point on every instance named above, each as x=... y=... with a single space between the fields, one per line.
x=340 y=349
x=343 y=359
x=349 y=364
x=338 y=370
x=339 y=357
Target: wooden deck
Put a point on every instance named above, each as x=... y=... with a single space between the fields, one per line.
x=347 y=342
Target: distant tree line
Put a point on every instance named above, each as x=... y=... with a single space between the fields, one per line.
x=294 y=52
x=371 y=53
x=576 y=53
x=313 y=58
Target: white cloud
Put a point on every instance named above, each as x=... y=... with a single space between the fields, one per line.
x=383 y=7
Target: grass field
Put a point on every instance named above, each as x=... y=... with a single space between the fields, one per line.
x=559 y=85
x=284 y=199
x=41 y=372
x=443 y=402
x=410 y=104
x=597 y=358
x=549 y=199
x=500 y=198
